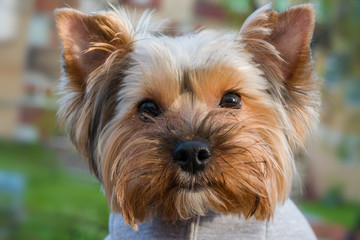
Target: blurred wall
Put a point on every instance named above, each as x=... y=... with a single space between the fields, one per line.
x=15 y=15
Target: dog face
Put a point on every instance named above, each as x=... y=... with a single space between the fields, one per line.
x=174 y=126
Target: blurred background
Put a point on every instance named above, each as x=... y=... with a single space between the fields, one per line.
x=46 y=190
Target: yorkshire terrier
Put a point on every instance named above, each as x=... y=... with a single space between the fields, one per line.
x=179 y=128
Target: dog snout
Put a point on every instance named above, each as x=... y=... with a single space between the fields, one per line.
x=192 y=156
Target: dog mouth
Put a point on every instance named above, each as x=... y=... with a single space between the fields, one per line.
x=193 y=187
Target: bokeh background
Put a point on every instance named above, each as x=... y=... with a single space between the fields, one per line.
x=46 y=190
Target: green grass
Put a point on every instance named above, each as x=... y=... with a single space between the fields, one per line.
x=346 y=215
x=58 y=204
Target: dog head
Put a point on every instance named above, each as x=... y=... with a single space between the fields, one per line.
x=174 y=126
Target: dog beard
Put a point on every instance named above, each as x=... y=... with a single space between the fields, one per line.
x=244 y=176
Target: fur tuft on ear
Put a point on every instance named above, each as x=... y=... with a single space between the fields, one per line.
x=92 y=44
x=280 y=46
x=88 y=40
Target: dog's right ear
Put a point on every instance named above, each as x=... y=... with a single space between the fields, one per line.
x=92 y=45
x=88 y=40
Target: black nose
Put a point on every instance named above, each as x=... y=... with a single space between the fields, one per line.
x=192 y=156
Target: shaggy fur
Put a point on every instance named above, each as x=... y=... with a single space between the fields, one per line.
x=111 y=65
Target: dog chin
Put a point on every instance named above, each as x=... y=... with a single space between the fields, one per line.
x=190 y=203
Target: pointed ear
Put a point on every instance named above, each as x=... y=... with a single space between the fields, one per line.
x=88 y=40
x=284 y=36
x=291 y=35
x=92 y=46
x=280 y=46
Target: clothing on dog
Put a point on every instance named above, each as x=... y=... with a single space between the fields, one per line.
x=288 y=223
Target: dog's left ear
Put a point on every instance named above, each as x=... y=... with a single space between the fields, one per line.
x=287 y=33
x=280 y=46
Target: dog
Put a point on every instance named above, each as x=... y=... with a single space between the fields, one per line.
x=192 y=136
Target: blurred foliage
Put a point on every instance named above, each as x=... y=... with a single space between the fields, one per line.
x=59 y=204
x=345 y=215
x=333 y=197
x=48 y=124
x=339 y=24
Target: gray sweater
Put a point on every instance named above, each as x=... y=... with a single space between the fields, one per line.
x=288 y=223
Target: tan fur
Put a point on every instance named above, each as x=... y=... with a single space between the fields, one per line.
x=250 y=170
x=267 y=64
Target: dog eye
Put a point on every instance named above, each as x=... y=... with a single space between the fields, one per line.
x=230 y=100
x=148 y=109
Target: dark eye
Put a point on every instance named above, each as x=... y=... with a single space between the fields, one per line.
x=148 y=109
x=230 y=100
